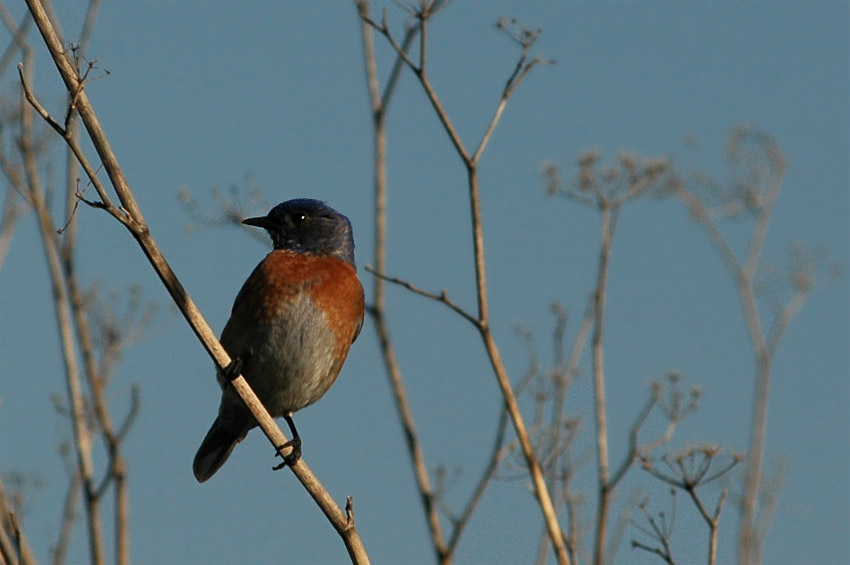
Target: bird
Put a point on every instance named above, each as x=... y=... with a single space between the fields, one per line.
x=291 y=326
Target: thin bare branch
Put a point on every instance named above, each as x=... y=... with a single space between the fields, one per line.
x=384 y=29
x=105 y=203
x=14 y=547
x=519 y=73
x=37 y=105
x=12 y=210
x=689 y=470
x=660 y=530
x=777 y=330
x=657 y=551
x=19 y=34
x=633 y=440
x=135 y=404
x=608 y=222
x=442 y=297
x=699 y=212
x=59 y=551
x=497 y=452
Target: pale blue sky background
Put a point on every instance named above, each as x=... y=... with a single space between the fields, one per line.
x=201 y=95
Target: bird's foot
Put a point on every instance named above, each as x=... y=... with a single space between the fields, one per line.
x=233 y=369
x=292 y=458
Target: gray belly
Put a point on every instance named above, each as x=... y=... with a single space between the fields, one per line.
x=289 y=364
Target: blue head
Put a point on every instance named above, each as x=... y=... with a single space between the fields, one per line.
x=310 y=226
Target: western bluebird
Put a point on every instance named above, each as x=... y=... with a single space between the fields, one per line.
x=291 y=325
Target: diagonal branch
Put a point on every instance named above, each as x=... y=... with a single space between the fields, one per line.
x=14 y=547
x=496 y=454
x=521 y=70
x=443 y=296
x=105 y=202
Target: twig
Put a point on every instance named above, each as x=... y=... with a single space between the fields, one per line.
x=657 y=551
x=12 y=209
x=58 y=552
x=496 y=454
x=689 y=470
x=19 y=33
x=105 y=203
x=633 y=441
x=521 y=70
x=14 y=547
x=608 y=223
x=443 y=296
x=659 y=532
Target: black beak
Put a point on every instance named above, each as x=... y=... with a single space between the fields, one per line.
x=260 y=222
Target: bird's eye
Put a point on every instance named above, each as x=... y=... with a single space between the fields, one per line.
x=298 y=217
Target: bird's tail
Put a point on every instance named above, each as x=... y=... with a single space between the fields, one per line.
x=216 y=447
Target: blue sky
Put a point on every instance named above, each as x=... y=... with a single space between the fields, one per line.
x=199 y=96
